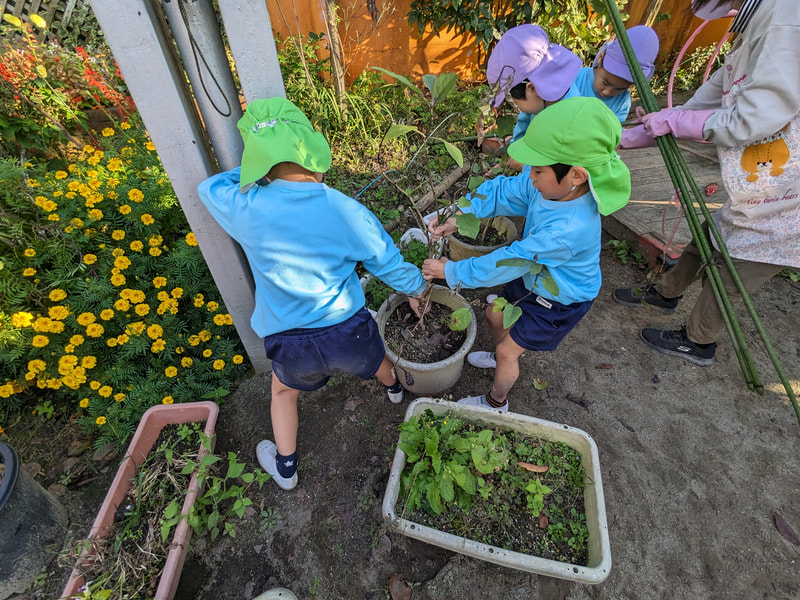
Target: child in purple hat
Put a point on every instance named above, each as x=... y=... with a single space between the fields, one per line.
x=530 y=72
x=609 y=78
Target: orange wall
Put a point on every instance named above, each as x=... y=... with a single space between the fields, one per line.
x=396 y=47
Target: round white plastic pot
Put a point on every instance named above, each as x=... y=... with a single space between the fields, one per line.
x=430 y=378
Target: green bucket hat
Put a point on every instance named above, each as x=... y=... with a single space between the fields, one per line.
x=274 y=131
x=580 y=132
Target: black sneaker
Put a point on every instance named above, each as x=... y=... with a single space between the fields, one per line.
x=676 y=343
x=646 y=296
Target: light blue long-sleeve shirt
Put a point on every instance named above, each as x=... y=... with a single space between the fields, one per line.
x=563 y=236
x=303 y=241
x=583 y=86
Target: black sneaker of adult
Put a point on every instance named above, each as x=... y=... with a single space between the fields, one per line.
x=646 y=296
x=676 y=343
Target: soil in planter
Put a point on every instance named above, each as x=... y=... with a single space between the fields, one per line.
x=429 y=343
x=504 y=519
x=133 y=554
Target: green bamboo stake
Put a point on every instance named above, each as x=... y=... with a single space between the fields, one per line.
x=676 y=166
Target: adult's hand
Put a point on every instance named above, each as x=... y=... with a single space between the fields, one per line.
x=447 y=228
x=433 y=268
x=635 y=137
x=687 y=124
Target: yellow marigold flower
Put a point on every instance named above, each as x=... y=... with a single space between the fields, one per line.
x=100 y=420
x=179 y=349
x=95 y=214
x=69 y=348
x=49 y=206
x=88 y=362
x=122 y=305
x=105 y=391
x=122 y=262
x=238 y=359
x=94 y=160
x=206 y=353
x=73 y=186
x=150 y=146
x=219 y=320
x=84 y=403
x=170 y=371
x=111 y=342
x=186 y=362
x=77 y=340
x=114 y=164
x=148 y=219
x=86 y=318
x=155 y=331
x=87 y=149
x=135 y=195
x=162 y=296
x=198 y=300
x=194 y=340
x=167 y=400
x=21 y=319
x=155 y=240
x=118 y=280
x=159 y=282
x=118 y=234
x=56 y=327
x=39 y=200
x=119 y=397
x=107 y=314
x=42 y=324
x=29 y=272
x=32 y=183
x=53 y=217
x=212 y=306
x=154 y=251
x=122 y=339
x=177 y=292
x=36 y=365
x=136 y=328
x=137 y=246
x=40 y=341
x=142 y=309
x=137 y=296
x=58 y=312
x=95 y=330
x=76 y=222
x=219 y=364
x=29 y=252
x=61 y=175
x=95 y=385
x=70 y=195
x=57 y=295
x=107 y=132
x=125 y=209
x=191 y=239
x=204 y=335
x=89 y=259
x=228 y=319
x=117 y=252
x=158 y=346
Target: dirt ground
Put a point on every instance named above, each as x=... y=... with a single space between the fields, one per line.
x=694 y=468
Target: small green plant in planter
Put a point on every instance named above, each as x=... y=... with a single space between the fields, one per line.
x=498 y=486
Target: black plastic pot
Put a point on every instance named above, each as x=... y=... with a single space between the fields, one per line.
x=31 y=520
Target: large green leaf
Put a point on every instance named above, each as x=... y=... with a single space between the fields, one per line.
x=401 y=79
x=468 y=225
x=511 y=314
x=454 y=153
x=460 y=319
x=512 y=262
x=396 y=131
x=550 y=284
x=444 y=85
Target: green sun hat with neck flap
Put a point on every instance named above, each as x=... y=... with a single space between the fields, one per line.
x=274 y=130
x=580 y=132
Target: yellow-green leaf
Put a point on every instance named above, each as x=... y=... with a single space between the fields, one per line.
x=12 y=19
x=460 y=319
x=396 y=131
x=38 y=21
x=511 y=314
x=454 y=152
x=539 y=383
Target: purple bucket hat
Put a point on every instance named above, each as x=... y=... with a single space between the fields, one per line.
x=514 y=58
x=644 y=42
x=555 y=74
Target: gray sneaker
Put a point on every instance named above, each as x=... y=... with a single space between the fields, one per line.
x=677 y=343
x=482 y=360
x=482 y=401
x=646 y=296
x=267 y=453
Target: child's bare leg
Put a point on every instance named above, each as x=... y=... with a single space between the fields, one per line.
x=506 y=373
x=386 y=372
x=283 y=410
x=495 y=321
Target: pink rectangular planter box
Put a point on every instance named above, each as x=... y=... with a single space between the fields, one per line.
x=153 y=421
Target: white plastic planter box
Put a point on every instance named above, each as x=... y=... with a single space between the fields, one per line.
x=599 y=564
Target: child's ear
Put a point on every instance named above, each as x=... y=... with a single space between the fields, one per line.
x=579 y=175
x=530 y=91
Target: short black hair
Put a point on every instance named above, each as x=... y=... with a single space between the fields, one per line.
x=518 y=91
x=561 y=170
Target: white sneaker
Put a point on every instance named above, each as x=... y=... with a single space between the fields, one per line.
x=395 y=397
x=267 y=453
x=482 y=401
x=482 y=360
x=491 y=298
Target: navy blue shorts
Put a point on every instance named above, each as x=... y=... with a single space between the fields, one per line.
x=305 y=359
x=540 y=327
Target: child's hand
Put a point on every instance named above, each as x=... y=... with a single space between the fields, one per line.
x=415 y=306
x=447 y=228
x=433 y=268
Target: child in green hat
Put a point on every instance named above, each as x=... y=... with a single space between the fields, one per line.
x=303 y=241
x=572 y=176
